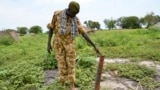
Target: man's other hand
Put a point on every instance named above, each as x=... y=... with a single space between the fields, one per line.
x=98 y=52
x=49 y=48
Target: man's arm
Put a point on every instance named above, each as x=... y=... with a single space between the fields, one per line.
x=90 y=41
x=50 y=33
x=82 y=31
x=50 y=26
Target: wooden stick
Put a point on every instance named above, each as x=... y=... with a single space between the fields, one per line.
x=99 y=72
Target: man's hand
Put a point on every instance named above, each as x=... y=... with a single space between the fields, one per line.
x=49 y=48
x=97 y=51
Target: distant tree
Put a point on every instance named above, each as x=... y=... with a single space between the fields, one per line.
x=22 y=30
x=109 y=23
x=35 y=29
x=92 y=24
x=97 y=25
x=158 y=18
x=86 y=23
x=131 y=22
x=150 y=19
x=119 y=22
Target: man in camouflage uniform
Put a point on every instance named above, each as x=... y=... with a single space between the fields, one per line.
x=66 y=26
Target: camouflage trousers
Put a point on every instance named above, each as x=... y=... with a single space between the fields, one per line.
x=66 y=56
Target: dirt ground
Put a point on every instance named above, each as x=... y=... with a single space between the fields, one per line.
x=109 y=80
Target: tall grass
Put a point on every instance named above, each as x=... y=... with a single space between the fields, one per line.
x=140 y=43
x=6 y=40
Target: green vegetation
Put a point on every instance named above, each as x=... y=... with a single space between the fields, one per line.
x=139 y=73
x=132 y=22
x=138 y=44
x=85 y=75
x=22 y=30
x=6 y=40
x=36 y=29
x=22 y=63
x=126 y=22
x=33 y=29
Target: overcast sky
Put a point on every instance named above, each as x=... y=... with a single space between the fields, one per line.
x=27 y=13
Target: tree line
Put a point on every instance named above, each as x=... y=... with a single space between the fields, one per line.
x=129 y=22
x=34 y=29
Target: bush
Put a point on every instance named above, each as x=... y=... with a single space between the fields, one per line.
x=6 y=40
x=23 y=75
x=35 y=29
x=49 y=62
x=153 y=28
x=22 y=30
x=85 y=72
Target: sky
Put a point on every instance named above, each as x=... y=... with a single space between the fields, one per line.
x=27 y=13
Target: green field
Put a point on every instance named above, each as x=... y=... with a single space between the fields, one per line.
x=22 y=64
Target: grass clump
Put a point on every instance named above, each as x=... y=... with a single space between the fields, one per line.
x=140 y=73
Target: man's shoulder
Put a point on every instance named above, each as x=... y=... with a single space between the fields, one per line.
x=57 y=12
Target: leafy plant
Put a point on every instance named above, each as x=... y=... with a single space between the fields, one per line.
x=85 y=73
x=149 y=83
x=23 y=75
x=49 y=62
x=139 y=73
